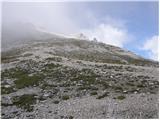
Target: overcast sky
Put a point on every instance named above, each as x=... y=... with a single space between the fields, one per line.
x=130 y=25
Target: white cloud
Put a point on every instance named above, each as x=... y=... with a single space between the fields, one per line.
x=109 y=34
x=151 y=45
x=66 y=19
x=54 y=17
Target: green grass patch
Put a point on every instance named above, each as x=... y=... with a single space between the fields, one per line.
x=14 y=73
x=52 y=65
x=8 y=90
x=93 y=93
x=121 y=97
x=25 y=102
x=57 y=59
x=86 y=75
x=26 y=81
x=65 y=97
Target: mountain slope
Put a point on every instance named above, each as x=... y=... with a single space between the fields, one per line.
x=88 y=51
x=61 y=77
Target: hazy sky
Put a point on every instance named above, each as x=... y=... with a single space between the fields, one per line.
x=131 y=25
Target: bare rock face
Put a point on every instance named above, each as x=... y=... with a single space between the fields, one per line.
x=68 y=78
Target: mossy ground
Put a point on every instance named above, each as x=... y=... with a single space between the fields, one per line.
x=121 y=97
x=8 y=90
x=25 y=102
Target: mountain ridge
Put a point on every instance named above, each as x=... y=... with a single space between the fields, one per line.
x=88 y=50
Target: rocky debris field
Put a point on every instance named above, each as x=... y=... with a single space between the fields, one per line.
x=36 y=83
